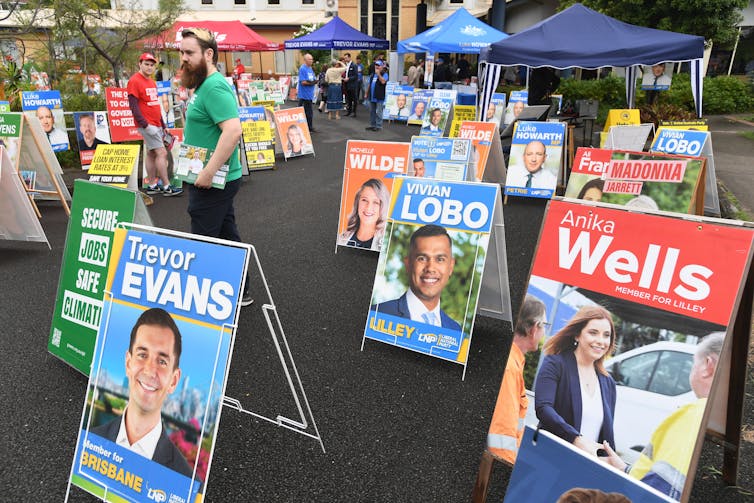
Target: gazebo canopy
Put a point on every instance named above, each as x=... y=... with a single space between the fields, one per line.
x=459 y=33
x=581 y=37
x=230 y=36
x=337 y=34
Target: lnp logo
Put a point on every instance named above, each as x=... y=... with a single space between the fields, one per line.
x=473 y=31
x=157 y=495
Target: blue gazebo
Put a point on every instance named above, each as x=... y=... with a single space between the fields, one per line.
x=458 y=33
x=336 y=35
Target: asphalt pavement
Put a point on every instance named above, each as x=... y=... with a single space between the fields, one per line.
x=397 y=426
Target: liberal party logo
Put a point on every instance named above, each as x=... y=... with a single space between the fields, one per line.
x=473 y=31
x=157 y=495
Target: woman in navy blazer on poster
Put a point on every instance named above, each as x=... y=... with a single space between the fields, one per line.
x=574 y=394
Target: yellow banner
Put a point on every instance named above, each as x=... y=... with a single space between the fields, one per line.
x=114 y=164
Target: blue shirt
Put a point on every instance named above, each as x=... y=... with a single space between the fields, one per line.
x=306 y=92
x=372 y=84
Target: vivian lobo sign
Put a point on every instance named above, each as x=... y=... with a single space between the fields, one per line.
x=428 y=276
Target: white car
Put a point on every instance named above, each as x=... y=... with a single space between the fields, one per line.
x=652 y=382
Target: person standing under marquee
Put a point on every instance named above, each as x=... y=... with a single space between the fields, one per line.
x=147 y=111
x=351 y=85
x=212 y=122
x=307 y=80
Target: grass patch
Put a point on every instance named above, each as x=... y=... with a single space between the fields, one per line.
x=748 y=134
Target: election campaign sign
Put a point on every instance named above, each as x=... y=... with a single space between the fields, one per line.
x=258 y=138
x=427 y=282
x=122 y=124
x=18 y=222
x=698 y=125
x=657 y=77
x=165 y=95
x=646 y=299
x=693 y=143
x=621 y=117
x=496 y=109
x=628 y=137
x=191 y=161
x=535 y=159
x=91 y=130
x=398 y=103
x=368 y=174
x=160 y=367
x=95 y=213
x=390 y=88
x=461 y=113
x=442 y=158
x=439 y=109
x=115 y=165
x=47 y=107
x=541 y=475
x=516 y=104
x=293 y=132
x=646 y=180
x=10 y=135
x=485 y=151
x=36 y=154
x=419 y=102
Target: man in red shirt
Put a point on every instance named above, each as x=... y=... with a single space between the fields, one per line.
x=239 y=69
x=146 y=109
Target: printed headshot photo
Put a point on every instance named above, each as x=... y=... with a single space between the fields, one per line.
x=428 y=275
x=155 y=391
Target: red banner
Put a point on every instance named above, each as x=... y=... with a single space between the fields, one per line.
x=685 y=267
x=122 y=125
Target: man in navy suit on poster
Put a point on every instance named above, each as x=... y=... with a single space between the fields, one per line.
x=429 y=266
x=152 y=368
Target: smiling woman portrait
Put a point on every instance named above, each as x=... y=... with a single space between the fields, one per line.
x=366 y=222
x=574 y=394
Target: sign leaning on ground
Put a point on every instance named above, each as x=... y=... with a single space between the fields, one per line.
x=693 y=143
x=429 y=272
x=634 y=281
x=535 y=159
x=115 y=165
x=368 y=174
x=174 y=308
x=95 y=213
x=18 y=222
x=648 y=180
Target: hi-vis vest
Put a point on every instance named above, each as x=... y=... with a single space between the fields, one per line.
x=507 y=425
x=664 y=462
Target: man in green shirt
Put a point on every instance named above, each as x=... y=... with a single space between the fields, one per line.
x=211 y=122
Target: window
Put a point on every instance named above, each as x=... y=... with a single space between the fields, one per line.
x=671 y=378
x=206 y=2
x=635 y=372
x=307 y=2
x=273 y=2
x=239 y=2
x=381 y=19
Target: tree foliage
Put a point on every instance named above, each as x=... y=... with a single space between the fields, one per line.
x=115 y=34
x=715 y=20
